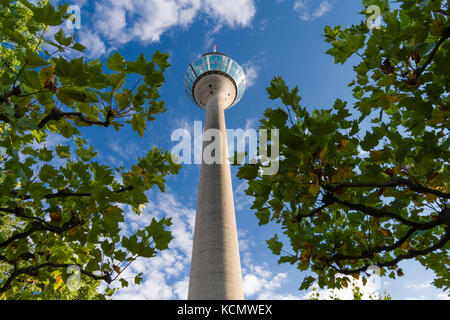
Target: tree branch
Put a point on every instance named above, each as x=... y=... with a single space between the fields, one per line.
x=441 y=12
x=65 y=194
x=39 y=225
x=23 y=256
x=4 y=118
x=394 y=262
x=33 y=270
x=299 y=217
x=376 y=213
x=395 y=182
x=56 y=114
x=14 y=92
x=371 y=251
x=445 y=35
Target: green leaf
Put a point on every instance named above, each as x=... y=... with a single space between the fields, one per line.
x=277 y=118
x=263 y=216
x=111 y=218
x=123 y=100
x=248 y=172
x=116 y=62
x=123 y=282
x=79 y=47
x=47 y=172
x=45 y=154
x=61 y=38
x=31 y=79
x=120 y=255
x=370 y=141
x=138 y=279
x=161 y=59
x=118 y=80
x=275 y=245
x=139 y=124
x=70 y=95
x=47 y=14
x=307 y=282
x=278 y=88
x=161 y=237
x=62 y=151
x=34 y=60
x=86 y=154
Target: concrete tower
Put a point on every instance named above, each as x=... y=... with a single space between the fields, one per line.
x=215 y=82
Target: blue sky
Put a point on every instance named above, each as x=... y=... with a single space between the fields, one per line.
x=268 y=38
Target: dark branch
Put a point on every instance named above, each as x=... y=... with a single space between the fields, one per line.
x=39 y=225
x=299 y=217
x=376 y=213
x=66 y=194
x=33 y=270
x=442 y=12
x=371 y=251
x=411 y=254
x=23 y=256
x=446 y=34
x=4 y=118
x=56 y=114
x=395 y=182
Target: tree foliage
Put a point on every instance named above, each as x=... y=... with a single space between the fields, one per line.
x=59 y=207
x=367 y=184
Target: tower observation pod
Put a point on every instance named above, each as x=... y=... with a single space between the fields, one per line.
x=215 y=82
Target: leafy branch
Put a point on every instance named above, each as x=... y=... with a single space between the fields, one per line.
x=56 y=114
x=445 y=35
x=38 y=225
x=391 y=263
x=395 y=182
x=34 y=270
x=69 y=193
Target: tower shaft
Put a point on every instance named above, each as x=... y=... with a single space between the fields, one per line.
x=215 y=265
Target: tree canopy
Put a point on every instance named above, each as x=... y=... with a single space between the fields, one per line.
x=59 y=207
x=366 y=184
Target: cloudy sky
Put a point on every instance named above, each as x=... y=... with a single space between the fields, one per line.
x=267 y=38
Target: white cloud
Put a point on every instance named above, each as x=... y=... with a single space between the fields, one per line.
x=251 y=70
x=368 y=292
x=305 y=13
x=94 y=44
x=121 y=21
x=241 y=200
x=181 y=288
x=443 y=296
x=362 y=153
x=418 y=286
x=110 y=20
x=422 y=297
x=209 y=39
x=231 y=12
x=250 y=123
x=299 y=5
x=123 y=148
x=244 y=241
x=262 y=284
x=324 y=7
